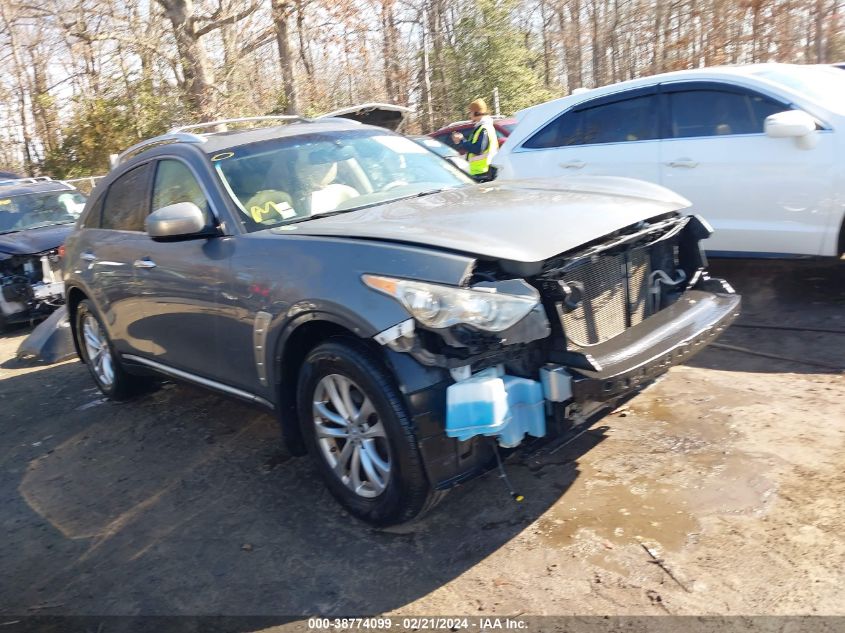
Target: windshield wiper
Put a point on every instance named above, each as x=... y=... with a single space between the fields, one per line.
x=41 y=225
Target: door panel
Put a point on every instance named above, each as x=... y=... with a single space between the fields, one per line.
x=615 y=136
x=761 y=194
x=181 y=283
x=632 y=160
x=105 y=265
x=107 y=247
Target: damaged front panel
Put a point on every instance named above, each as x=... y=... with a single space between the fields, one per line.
x=31 y=286
x=462 y=344
x=601 y=327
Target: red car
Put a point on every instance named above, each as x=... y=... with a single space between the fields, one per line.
x=504 y=126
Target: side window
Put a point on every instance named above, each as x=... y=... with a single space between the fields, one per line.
x=763 y=107
x=621 y=121
x=125 y=205
x=719 y=113
x=634 y=119
x=561 y=132
x=94 y=217
x=174 y=182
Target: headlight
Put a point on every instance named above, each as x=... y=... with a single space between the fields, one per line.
x=437 y=306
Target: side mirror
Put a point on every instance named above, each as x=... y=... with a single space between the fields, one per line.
x=183 y=219
x=792 y=124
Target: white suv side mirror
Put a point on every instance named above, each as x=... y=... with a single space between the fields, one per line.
x=793 y=124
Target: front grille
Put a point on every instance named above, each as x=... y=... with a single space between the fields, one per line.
x=614 y=296
x=638 y=265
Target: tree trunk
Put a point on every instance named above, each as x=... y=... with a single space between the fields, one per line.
x=21 y=81
x=196 y=69
x=576 y=76
x=43 y=108
x=425 y=79
x=547 y=47
x=440 y=99
x=281 y=12
x=396 y=92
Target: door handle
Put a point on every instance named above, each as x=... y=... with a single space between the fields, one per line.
x=683 y=162
x=88 y=256
x=573 y=164
x=144 y=263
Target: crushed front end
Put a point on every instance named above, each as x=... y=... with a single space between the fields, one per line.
x=609 y=317
x=31 y=286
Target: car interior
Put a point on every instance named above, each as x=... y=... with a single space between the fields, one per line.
x=310 y=178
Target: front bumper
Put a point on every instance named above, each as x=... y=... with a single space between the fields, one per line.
x=620 y=366
x=23 y=301
x=649 y=348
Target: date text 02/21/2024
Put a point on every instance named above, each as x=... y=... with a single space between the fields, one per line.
x=417 y=624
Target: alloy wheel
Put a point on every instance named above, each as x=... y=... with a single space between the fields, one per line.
x=98 y=351
x=351 y=435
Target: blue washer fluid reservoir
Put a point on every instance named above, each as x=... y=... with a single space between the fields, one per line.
x=526 y=408
x=476 y=406
x=506 y=407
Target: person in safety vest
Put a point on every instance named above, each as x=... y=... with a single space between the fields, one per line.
x=482 y=144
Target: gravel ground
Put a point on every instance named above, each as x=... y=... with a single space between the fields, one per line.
x=729 y=470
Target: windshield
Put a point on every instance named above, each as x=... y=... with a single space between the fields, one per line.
x=33 y=210
x=292 y=179
x=441 y=149
x=822 y=84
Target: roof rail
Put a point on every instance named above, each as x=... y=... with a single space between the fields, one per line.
x=248 y=119
x=24 y=181
x=181 y=134
x=164 y=139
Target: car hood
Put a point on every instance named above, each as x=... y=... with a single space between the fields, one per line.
x=30 y=241
x=521 y=221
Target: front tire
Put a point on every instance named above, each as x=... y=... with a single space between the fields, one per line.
x=99 y=356
x=357 y=430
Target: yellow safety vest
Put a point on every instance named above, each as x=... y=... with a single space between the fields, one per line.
x=480 y=163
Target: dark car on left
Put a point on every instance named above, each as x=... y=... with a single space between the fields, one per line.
x=36 y=215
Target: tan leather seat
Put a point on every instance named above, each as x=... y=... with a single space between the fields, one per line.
x=322 y=193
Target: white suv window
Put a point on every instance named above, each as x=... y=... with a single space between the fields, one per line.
x=719 y=112
x=622 y=121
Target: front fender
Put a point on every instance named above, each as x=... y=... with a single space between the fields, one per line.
x=283 y=326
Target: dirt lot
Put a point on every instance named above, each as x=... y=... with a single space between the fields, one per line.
x=729 y=469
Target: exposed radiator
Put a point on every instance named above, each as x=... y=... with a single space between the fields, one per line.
x=614 y=296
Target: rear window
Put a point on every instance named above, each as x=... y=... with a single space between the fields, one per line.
x=627 y=120
x=94 y=217
x=126 y=206
x=621 y=121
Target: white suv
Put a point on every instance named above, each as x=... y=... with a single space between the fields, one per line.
x=758 y=149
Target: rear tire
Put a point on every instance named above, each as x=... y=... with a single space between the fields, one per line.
x=99 y=356
x=361 y=438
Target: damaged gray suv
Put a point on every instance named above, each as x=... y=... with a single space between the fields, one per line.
x=403 y=322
